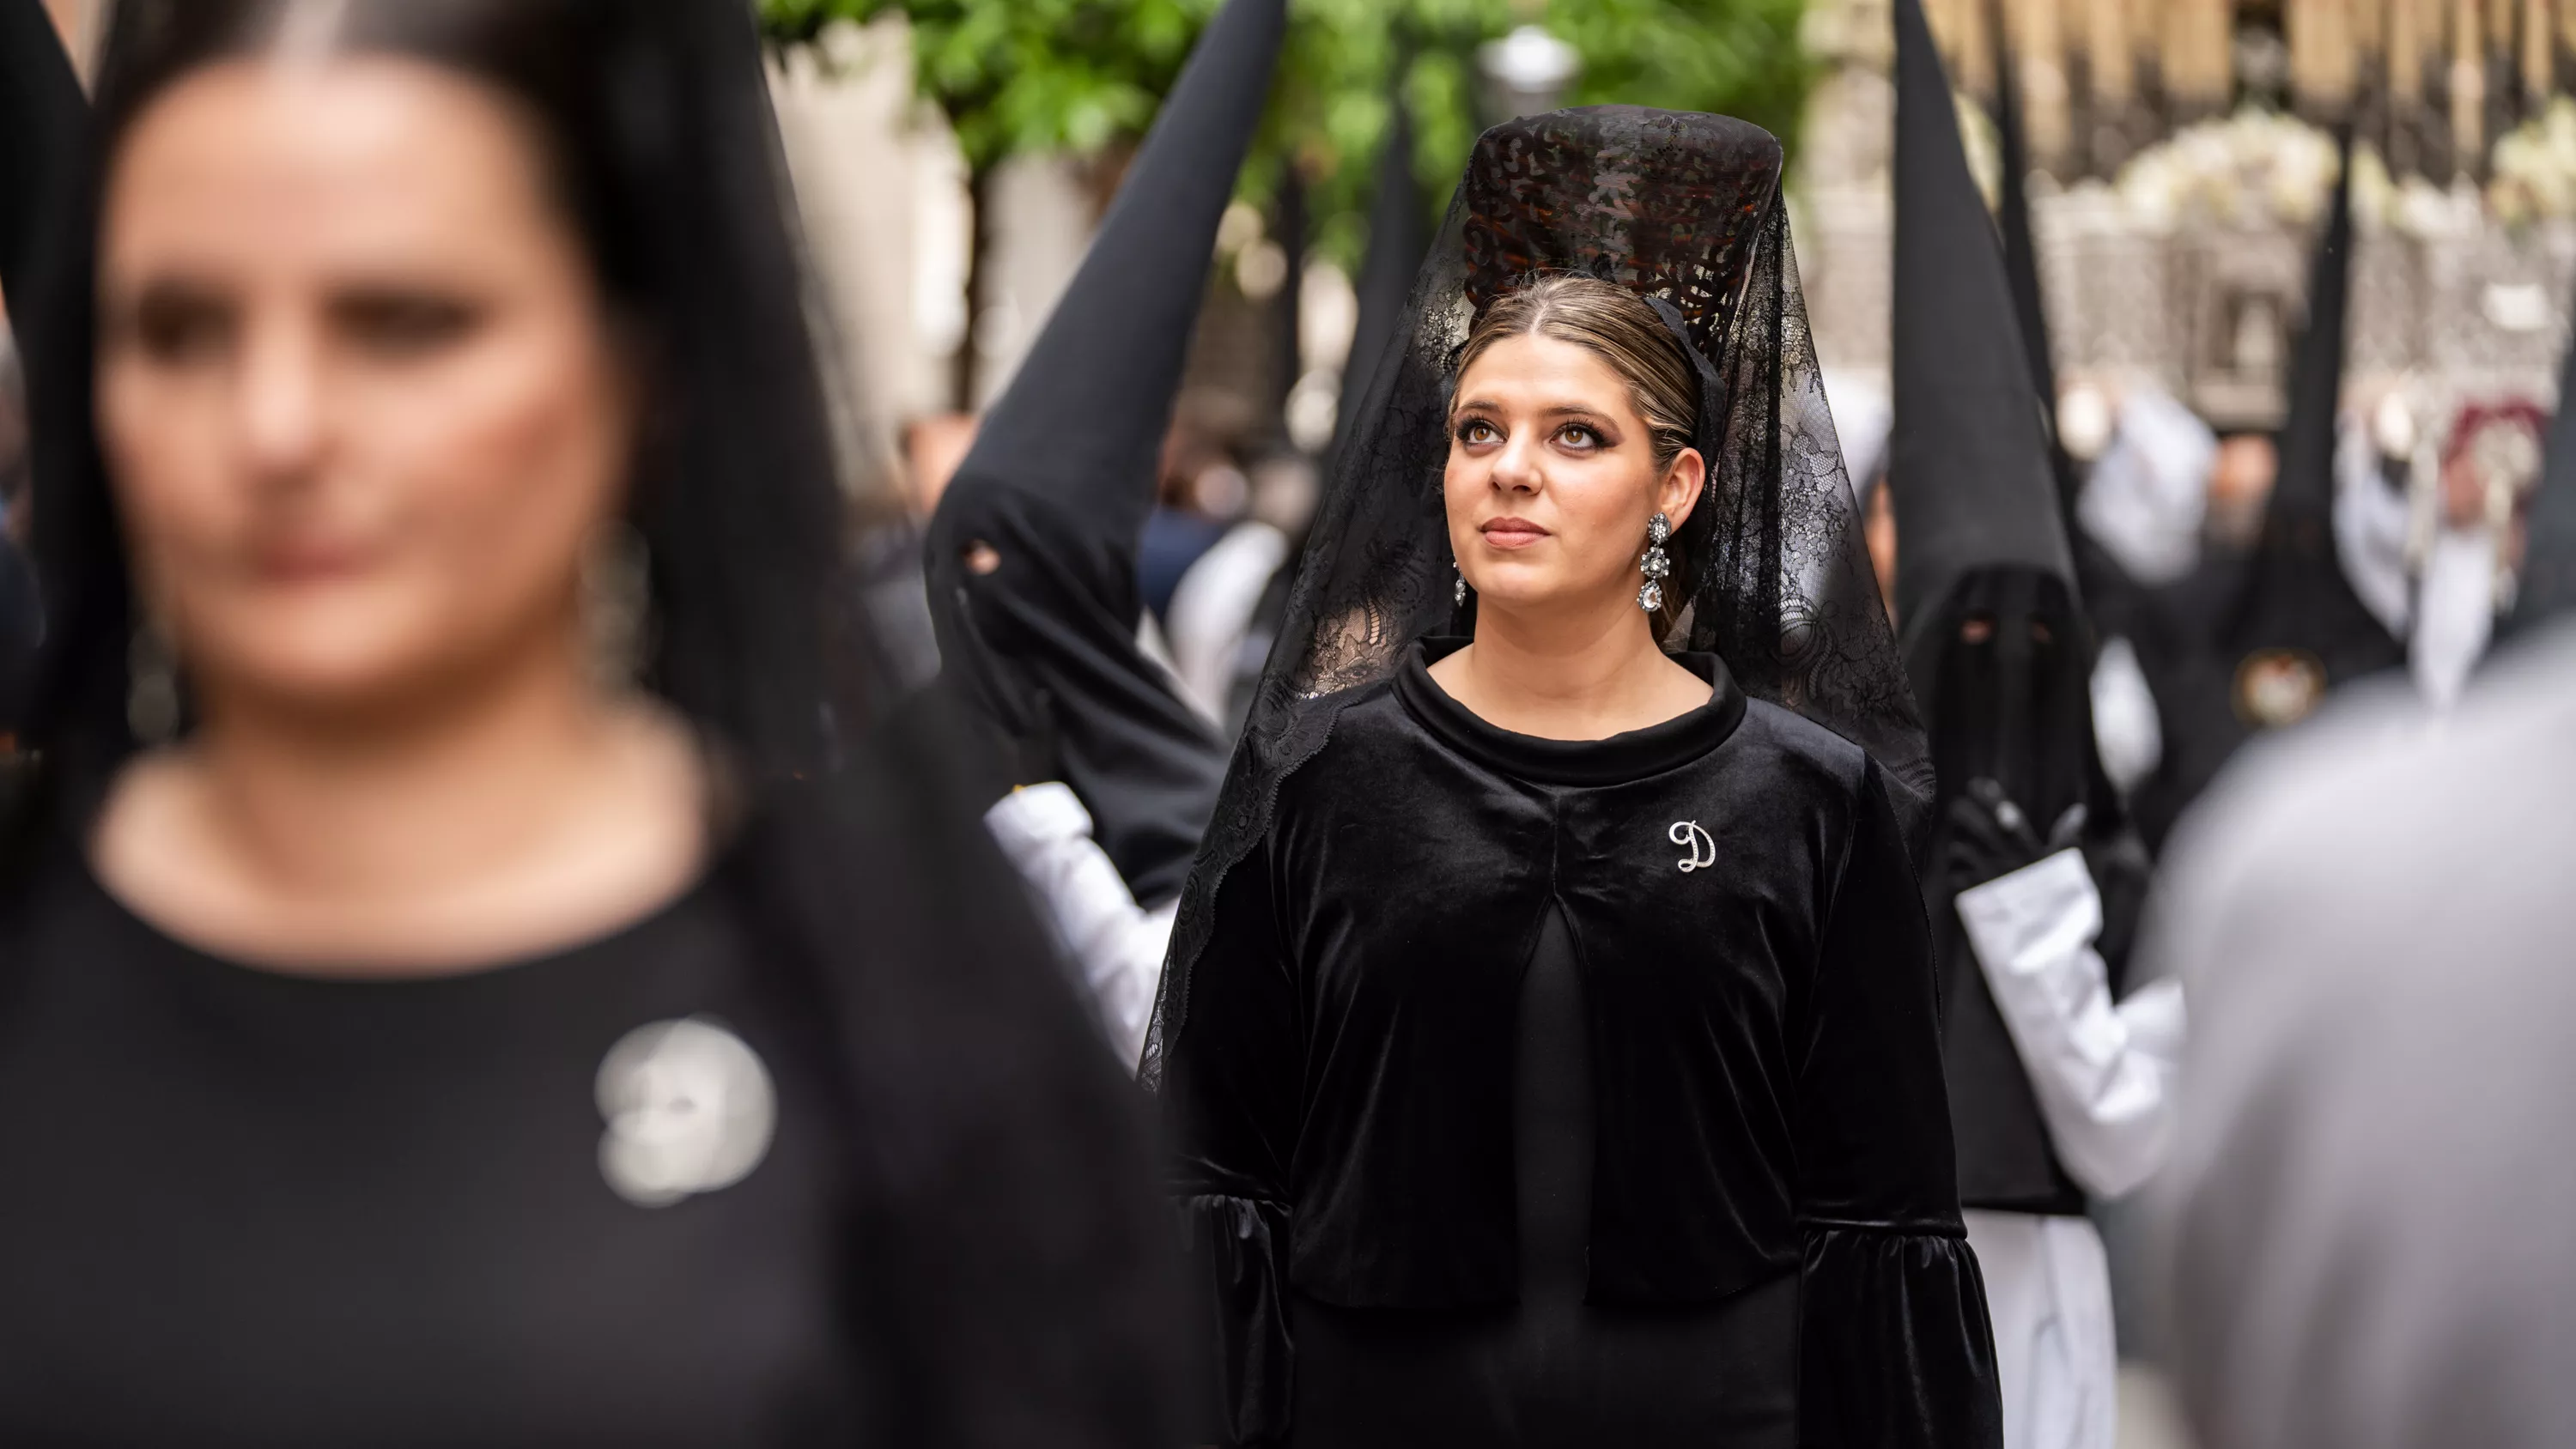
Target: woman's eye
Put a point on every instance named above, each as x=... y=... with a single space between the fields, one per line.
x=402 y=325
x=176 y=326
x=1476 y=431
x=1577 y=435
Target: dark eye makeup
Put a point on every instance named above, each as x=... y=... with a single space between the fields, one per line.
x=396 y=322
x=1582 y=436
x=175 y=323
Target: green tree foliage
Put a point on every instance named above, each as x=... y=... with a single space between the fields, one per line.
x=1735 y=57
x=1022 y=76
x=1019 y=76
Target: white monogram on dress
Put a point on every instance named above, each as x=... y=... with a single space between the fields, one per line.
x=1703 y=850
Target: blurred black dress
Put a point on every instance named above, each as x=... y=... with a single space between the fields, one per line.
x=1552 y=1093
x=253 y=1208
x=667 y=1187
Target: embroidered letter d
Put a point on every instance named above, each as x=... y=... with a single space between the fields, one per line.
x=1703 y=850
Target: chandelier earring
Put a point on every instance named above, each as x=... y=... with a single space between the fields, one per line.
x=1458 y=595
x=616 y=605
x=1657 y=565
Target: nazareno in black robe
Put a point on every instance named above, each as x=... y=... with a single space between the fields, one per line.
x=1761 y=1013
x=1979 y=517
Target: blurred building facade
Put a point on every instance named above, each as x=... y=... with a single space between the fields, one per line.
x=889 y=221
x=2182 y=151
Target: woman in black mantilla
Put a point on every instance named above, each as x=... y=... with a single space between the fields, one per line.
x=1551 y=1038
x=470 y=972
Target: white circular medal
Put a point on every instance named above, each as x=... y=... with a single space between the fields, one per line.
x=689 y=1108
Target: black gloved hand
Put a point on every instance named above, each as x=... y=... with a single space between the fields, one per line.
x=1989 y=837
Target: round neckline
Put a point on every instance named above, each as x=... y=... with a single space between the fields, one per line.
x=1616 y=760
x=497 y=973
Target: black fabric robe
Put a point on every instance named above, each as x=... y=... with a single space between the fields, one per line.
x=1764 y=1025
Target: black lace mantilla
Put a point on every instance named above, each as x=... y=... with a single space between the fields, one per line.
x=1679 y=207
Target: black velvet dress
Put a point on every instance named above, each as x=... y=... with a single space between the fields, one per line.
x=1547 y=1093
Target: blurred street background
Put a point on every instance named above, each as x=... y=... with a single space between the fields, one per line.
x=952 y=155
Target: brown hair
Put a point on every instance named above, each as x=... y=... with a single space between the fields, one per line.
x=1630 y=337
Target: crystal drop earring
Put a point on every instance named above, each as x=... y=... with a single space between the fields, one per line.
x=152 y=686
x=1458 y=595
x=1656 y=565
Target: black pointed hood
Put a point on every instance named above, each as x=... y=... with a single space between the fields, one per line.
x=2108 y=592
x=2255 y=640
x=1969 y=459
x=2303 y=493
x=1041 y=639
x=2546 y=586
x=1399 y=238
x=2295 y=605
x=2012 y=217
x=1084 y=418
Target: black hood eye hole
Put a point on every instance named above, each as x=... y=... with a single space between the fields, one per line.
x=1977 y=629
x=981 y=559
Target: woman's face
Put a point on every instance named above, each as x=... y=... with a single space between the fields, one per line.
x=357 y=393
x=1552 y=479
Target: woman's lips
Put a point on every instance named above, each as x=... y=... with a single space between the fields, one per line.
x=1512 y=533
x=312 y=562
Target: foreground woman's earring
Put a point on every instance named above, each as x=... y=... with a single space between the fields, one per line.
x=1657 y=564
x=152 y=686
x=616 y=596
x=1459 y=593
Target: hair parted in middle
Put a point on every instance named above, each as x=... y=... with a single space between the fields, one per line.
x=1632 y=339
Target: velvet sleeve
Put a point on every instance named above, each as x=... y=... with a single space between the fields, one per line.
x=1896 y=1351
x=1230 y=1093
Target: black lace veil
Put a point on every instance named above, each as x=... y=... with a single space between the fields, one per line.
x=1685 y=209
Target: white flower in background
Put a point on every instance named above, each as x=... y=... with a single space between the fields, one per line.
x=2534 y=167
x=2249 y=169
x=2151 y=187
x=690 y=1110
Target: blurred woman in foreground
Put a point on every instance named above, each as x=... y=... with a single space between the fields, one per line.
x=466 y=980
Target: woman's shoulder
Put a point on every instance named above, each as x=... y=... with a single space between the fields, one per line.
x=1802 y=748
x=1364 y=724
x=1369 y=714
